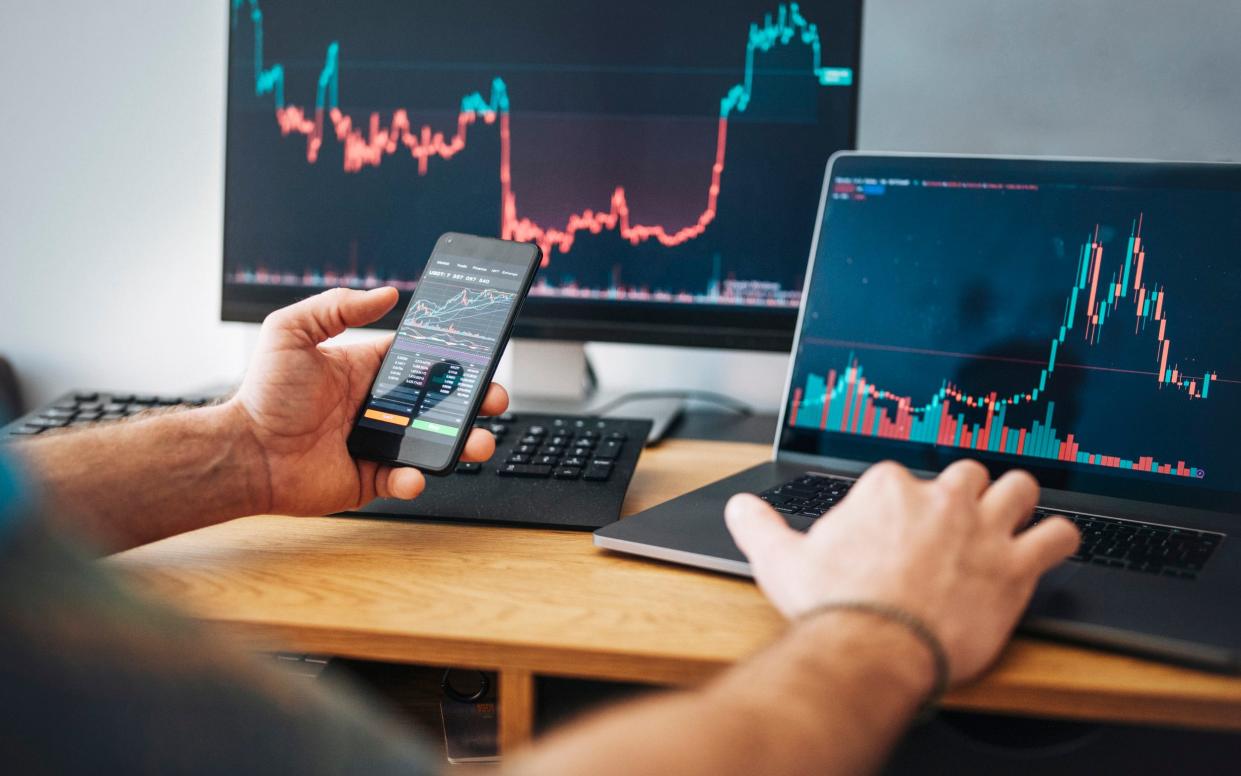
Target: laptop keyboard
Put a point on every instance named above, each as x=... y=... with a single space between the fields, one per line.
x=1137 y=546
x=1106 y=541
x=809 y=495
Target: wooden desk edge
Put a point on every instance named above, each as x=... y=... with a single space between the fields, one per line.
x=1007 y=697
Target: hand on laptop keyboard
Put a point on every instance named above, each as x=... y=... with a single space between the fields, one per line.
x=946 y=551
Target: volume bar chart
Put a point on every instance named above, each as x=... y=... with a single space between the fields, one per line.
x=845 y=400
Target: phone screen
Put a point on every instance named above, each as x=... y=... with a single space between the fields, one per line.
x=431 y=383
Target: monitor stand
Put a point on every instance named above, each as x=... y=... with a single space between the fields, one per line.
x=555 y=376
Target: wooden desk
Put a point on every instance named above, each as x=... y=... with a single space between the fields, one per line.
x=526 y=602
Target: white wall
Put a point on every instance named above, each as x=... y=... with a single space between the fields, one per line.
x=110 y=152
x=111 y=158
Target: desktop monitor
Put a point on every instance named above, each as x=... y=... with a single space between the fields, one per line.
x=665 y=155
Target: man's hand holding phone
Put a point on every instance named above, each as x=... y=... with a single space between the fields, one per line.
x=431 y=384
x=300 y=397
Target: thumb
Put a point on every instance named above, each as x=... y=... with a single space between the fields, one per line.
x=758 y=530
x=325 y=315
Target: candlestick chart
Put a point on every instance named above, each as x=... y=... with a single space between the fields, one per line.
x=849 y=403
x=656 y=152
x=972 y=320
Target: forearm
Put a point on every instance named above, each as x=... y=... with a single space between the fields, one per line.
x=140 y=480
x=832 y=697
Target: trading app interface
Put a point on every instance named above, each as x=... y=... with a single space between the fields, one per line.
x=1075 y=319
x=441 y=352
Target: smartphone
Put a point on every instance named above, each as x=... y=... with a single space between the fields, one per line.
x=424 y=401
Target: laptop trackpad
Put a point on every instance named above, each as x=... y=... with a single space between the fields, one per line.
x=1054 y=596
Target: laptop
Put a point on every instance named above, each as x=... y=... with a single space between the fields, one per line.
x=1075 y=318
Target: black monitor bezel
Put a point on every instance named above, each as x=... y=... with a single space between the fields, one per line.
x=646 y=323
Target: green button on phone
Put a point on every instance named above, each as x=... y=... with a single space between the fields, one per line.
x=436 y=428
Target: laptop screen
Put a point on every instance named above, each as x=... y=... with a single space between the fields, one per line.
x=1077 y=319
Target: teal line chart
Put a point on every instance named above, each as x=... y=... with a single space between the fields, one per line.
x=369 y=143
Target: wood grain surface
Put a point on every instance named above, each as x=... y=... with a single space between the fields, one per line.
x=547 y=602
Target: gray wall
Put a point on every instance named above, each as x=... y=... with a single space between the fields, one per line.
x=110 y=157
x=1154 y=79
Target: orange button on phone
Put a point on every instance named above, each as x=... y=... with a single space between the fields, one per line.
x=387 y=417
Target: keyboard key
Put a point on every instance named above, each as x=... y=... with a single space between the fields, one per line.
x=546 y=460
x=27 y=430
x=91 y=415
x=568 y=473
x=588 y=433
x=67 y=404
x=536 y=431
x=110 y=407
x=89 y=405
x=48 y=422
x=575 y=460
x=57 y=413
x=124 y=398
x=526 y=449
x=619 y=436
x=519 y=458
x=523 y=470
x=469 y=467
x=86 y=396
x=609 y=449
x=598 y=471
x=531 y=439
x=112 y=416
x=580 y=452
x=556 y=450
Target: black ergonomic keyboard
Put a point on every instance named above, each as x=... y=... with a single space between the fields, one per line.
x=559 y=471
x=562 y=471
x=83 y=408
x=1106 y=541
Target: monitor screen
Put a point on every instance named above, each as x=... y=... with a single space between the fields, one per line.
x=1074 y=318
x=666 y=156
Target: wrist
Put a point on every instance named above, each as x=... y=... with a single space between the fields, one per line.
x=882 y=653
x=236 y=434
